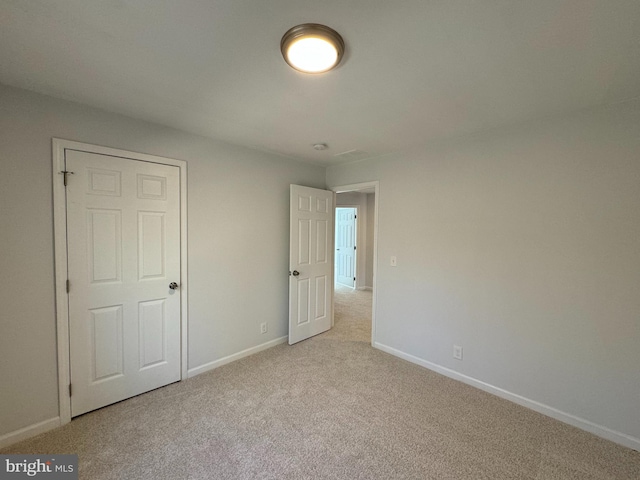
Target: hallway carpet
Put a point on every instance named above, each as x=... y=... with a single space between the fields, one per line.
x=331 y=407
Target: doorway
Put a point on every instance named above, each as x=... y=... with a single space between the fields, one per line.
x=121 y=274
x=349 y=299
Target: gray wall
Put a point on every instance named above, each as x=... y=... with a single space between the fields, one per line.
x=371 y=215
x=237 y=196
x=522 y=246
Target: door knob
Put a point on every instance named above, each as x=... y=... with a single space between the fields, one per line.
x=295 y=273
x=173 y=286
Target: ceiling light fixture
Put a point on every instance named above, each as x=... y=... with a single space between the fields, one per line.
x=312 y=48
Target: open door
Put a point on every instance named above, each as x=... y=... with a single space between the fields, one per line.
x=310 y=262
x=345 y=246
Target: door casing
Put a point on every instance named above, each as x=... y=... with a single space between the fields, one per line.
x=61 y=257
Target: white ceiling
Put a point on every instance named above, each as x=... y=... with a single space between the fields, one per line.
x=415 y=70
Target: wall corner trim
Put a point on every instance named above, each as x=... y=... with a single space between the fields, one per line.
x=599 y=430
x=192 y=372
x=29 y=431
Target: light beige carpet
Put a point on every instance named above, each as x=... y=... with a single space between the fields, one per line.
x=331 y=407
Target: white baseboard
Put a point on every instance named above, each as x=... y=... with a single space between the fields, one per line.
x=41 y=427
x=192 y=372
x=365 y=288
x=29 y=431
x=581 y=423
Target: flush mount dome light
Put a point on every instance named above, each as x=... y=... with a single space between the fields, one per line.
x=312 y=48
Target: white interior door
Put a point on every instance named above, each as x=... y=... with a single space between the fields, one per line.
x=345 y=246
x=123 y=230
x=310 y=262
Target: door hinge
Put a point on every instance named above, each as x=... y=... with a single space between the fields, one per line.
x=354 y=279
x=68 y=283
x=69 y=389
x=65 y=174
x=354 y=247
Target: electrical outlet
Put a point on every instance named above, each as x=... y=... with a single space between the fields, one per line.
x=457 y=352
x=394 y=261
x=263 y=327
